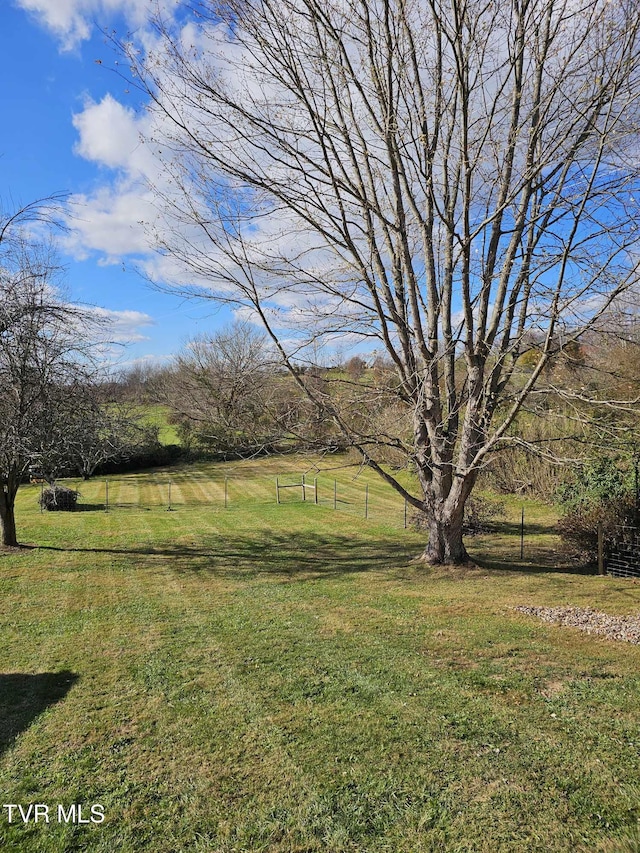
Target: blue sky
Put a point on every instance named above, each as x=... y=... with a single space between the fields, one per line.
x=69 y=126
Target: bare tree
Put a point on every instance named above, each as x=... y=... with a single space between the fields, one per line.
x=42 y=354
x=444 y=178
x=223 y=392
x=85 y=432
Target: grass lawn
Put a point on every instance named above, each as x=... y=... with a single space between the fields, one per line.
x=284 y=678
x=158 y=415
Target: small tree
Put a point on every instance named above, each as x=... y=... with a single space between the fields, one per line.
x=94 y=432
x=43 y=351
x=222 y=390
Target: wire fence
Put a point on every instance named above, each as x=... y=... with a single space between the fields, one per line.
x=375 y=502
x=622 y=552
x=193 y=489
x=365 y=497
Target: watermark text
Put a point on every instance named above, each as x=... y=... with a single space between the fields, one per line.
x=74 y=813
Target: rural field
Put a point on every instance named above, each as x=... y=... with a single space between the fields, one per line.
x=263 y=677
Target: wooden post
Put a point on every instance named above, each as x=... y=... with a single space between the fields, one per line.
x=600 y=549
x=366 y=501
x=304 y=497
x=226 y=492
x=522 y=535
x=335 y=493
x=277 y=491
x=315 y=489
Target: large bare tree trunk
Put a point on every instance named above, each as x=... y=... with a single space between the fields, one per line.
x=8 y=518
x=445 y=540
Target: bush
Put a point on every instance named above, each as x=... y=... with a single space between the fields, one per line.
x=600 y=493
x=599 y=482
x=479 y=513
x=155 y=456
x=578 y=527
x=59 y=499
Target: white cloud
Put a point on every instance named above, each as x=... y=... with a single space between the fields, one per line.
x=122 y=326
x=113 y=220
x=73 y=21
x=64 y=18
x=110 y=135
x=110 y=222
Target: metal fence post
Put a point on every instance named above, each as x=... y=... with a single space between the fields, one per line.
x=600 y=549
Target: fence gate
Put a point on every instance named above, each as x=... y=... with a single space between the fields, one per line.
x=303 y=485
x=622 y=557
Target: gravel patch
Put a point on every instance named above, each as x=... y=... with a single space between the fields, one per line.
x=625 y=628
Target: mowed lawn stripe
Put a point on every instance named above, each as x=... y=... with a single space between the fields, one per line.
x=484 y=711
x=203 y=489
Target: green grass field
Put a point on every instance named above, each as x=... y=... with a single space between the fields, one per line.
x=156 y=414
x=284 y=678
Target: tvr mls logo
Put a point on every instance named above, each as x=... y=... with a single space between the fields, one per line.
x=75 y=813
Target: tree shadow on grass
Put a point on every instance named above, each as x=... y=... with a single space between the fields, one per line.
x=305 y=555
x=308 y=555
x=536 y=560
x=512 y=528
x=82 y=507
x=301 y=555
x=24 y=697
x=499 y=549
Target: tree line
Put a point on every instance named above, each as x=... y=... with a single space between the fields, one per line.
x=228 y=396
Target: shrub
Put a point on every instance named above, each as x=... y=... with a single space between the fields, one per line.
x=59 y=499
x=578 y=527
x=479 y=513
x=599 y=493
x=599 y=482
x=153 y=456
